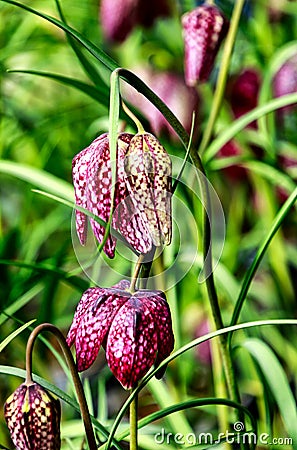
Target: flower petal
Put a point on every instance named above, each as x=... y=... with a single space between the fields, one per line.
x=95 y=324
x=126 y=219
x=79 y=174
x=148 y=169
x=98 y=190
x=131 y=342
x=89 y=296
x=157 y=303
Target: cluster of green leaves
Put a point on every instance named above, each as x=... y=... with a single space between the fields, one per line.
x=46 y=120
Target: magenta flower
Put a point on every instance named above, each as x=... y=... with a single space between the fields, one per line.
x=204 y=28
x=285 y=82
x=119 y=17
x=135 y=329
x=142 y=223
x=33 y=418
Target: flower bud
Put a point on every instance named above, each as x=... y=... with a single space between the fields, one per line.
x=33 y=418
x=204 y=28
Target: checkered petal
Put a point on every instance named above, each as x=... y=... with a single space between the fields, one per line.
x=33 y=418
x=126 y=218
x=204 y=28
x=99 y=190
x=89 y=297
x=148 y=177
x=95 y=323
x=132 y=342
x=163 y=323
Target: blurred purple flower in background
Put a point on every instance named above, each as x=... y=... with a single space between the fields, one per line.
x=285 y=82
x=135 y=329
x=171 y=88
x=204 y=28
x=119 y=17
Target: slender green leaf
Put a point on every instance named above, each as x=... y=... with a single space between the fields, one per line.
x=38 y=177
x=279 y=219
x=20 y=302
x=108 y=62
x=9 y=338
x=88 y=67
x=193 y=403
x=278 y=383
x=96 y=93
x=73 y=280
x=244 y=120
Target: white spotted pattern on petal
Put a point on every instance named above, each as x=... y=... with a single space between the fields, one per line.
x=132 y=342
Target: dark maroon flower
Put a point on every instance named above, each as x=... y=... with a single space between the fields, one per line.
x=244 y=92
x=135 y=329
x=119 y=17
x=204 y=28
x=141 y=225
x=33 y=418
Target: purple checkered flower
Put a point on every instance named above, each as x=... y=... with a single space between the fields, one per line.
x=204 y=28
x=134 y=328
x=142 y=200
x=33 y=418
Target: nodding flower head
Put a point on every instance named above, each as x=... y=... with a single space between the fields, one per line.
x=204 y=28
x=134 y=328
x=142 y=196
x=33 y=418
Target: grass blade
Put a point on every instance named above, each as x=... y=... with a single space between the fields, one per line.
x=9 y=338
x=278 y=383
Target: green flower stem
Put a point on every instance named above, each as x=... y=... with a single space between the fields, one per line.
x=136 y=273
x=132 y=116
x=222 y=77
x=133 y=423
x=77 y=382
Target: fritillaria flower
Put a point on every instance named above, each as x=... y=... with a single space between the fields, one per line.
x=33 y=418
x=204 y=28
x=134 y=328
x=285 y=81
x=142 y=198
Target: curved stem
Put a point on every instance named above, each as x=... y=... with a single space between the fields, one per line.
x=132 y=116
x=77 y=382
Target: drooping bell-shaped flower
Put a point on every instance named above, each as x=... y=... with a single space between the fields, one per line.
x=33 y=418
x=140 y=226
x=204 y=28
x=134 y=328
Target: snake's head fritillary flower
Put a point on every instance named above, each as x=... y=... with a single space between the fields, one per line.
x=33 y=418
x=134 y=328
x=204 y=28
x=285 y=82
x=142 y=197
x=148 y=174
